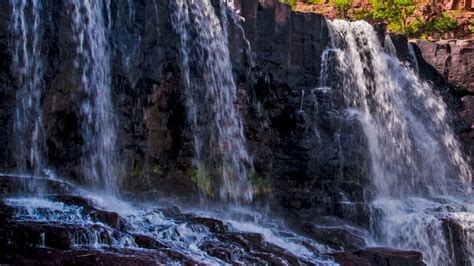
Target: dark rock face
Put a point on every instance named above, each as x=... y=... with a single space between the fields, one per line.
x=379 y=256
x=459 y=237
x=293 y=129
x=312 y=157
x=450 y=63
x=26 y=240
x=155 y=140
x=334 y=237
x=453 y=59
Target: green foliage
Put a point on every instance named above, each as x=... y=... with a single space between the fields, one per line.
x=443 y=23
x=439 y=24
x=291 y=3
x=360 y=14
x=261 y=185
x=137 y=171
x=316 y=2
x=201 y=180
x=394 y=12
x=472 y=25
x=342 y=6
x=157 y=170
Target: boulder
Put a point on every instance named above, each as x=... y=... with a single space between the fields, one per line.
x=453 y=60
x=337 y=238
x=379 y=257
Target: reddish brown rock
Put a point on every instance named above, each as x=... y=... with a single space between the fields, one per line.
x=334 y=237
x=453 y=59
x=379 y=257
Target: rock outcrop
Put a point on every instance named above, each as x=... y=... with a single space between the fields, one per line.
x=313 y=162
x=451 y=62
x=66 y=227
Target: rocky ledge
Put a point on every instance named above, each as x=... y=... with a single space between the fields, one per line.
x=451 y=62
x=65 y=227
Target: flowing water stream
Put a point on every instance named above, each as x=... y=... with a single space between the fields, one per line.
x=91 y=26
x=421 y=183
x=27 y=68
x=419 y=175
x=211 y=95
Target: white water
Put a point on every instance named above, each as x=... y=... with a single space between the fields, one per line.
x=413 y=59
x=415 y=157
x=27 y=70
x=149 y=221
x=211 y=96
x=91 y=24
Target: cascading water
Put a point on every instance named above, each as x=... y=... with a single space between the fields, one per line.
x=413 y=59
x=27 y=69
x=211 y=94
x=415 y=158
x=91 y=24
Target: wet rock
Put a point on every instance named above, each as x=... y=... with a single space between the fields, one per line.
x=385 y=256
x=258 y=249
x=148 y=242
x=350 y=259
x=214 y=225
x=228 y=252
x=379 y=256
x=335 y=237
x=453 y=60
x=14 y=185
x=111 y=219
x=459 y=239
x=106 y=256
x=448 y=64
x=57 y=236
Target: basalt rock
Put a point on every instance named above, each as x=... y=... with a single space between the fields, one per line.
x=335 y=237
x=312 y=156
x=50 y=240
x=450 y=62
x=459 y=237
x=452 y=59
x=379 y=256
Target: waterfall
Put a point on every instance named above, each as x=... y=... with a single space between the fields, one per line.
x=27 y=70
x=415 y=158
x=413 y=60
x=211 y=96
x=91 y=24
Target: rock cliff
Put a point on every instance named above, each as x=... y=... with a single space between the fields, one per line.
x=311 y=168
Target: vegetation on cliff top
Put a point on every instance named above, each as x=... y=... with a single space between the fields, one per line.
x=410 y=17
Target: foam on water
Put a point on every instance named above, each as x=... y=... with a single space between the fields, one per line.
x=27 y=69
x=180 y=235
x=415 y=158
x=91 y=22
x=211 y=94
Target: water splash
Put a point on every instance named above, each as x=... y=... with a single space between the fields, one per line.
x=408 y=123
x=211 y=96
x=181 y=235
x=28 y=71
x=389 y=47
x=412 y=58
x=415 y=157
x=91 y=24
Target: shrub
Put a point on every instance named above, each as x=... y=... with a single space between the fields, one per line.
x=472 y=25
x=360 y=14
x=443 y=23
x=342 y=6
x=394 y=12
x=440 y=24
x=316 y=2
x=291 y=3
